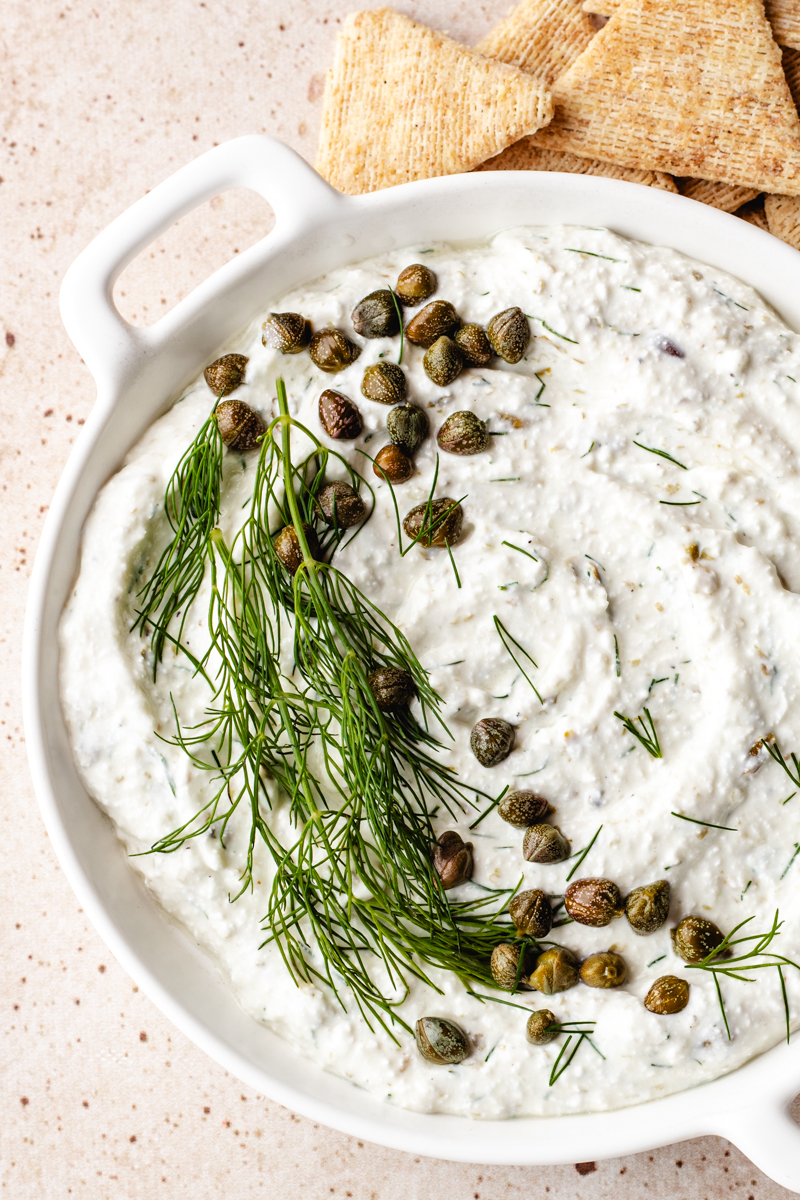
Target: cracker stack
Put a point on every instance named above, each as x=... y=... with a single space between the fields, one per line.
x=783 y=16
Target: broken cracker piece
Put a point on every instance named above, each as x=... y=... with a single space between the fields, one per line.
x=783 y=218
x=542 y=37
x=791 y=69
x=525 y=156
x=727 y=197
x=783 y=16
x=754 y=214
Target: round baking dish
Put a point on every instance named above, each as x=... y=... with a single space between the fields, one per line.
x=139 y=372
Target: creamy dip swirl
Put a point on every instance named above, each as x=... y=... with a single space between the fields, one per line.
x=645 y=582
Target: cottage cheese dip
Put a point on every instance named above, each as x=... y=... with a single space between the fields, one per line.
x=635 y=526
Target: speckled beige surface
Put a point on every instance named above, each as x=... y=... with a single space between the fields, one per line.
x=99 y=1095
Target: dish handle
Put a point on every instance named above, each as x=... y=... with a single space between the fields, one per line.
x=770 y=1138
x=107 y=343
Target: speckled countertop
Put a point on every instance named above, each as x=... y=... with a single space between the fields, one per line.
x=100 y=1096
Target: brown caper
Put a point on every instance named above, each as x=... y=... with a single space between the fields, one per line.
x=376 y=315
x=441 y=1042
x=331 y=351
x=384 y=382
x=288 y=332
x=391 y=687
x=544 y=844
x=415 y=284
x=392 y=464
x=463 y=433
x=407 y=426
x=507 y=970
x=474 y=345
x=593 y=901
x=647 y=907
x=339 y=416
x=341 y=505
x=522 y=809
x=443 y=362
x=226 y=374
x=492 y=740
x=531 y=913
x=604 y=970
x=695 y=938
x=452 y=859
x=556 y=971
x=240 y=426
x=435 y=320
x=508 y=333
x=668 y=995
x=440 y=529
x=288 y=548
x=541 y=1027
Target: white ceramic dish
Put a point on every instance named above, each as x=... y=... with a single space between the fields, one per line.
x=139 y=372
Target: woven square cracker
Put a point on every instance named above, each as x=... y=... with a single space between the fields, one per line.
x=783 y=218
x=542 y=37
x=525 y=156
x=403 y=102
x=783 y=16
x=695 y=89
x=725 y=196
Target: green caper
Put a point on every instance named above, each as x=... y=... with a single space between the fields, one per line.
x=593 y=901
x=442 y=527
x=435 y=320
x=441 y=1042
x=339 y=416
x=226 y=374
x=509 y=334
x=288 y=548
x=443 y=362
x=391 y=687
x=544 y=844
x=668 y=995
x=522 y=809
x=376 y=315
x=647 y=907
x=556 y=971
x=695 y=938
x=492 y=740
x=507 y=971
x=604 y=970
x=474 y=345
x=393 y=464
x=415 y=284
x=452 y=859
x=240 y=427
x=331 y=351
x=541 y=1027
x=531 y=913
x=341 y=505
x=407 y=426
x=384 y=382
x=463 y=433
x=288 y=332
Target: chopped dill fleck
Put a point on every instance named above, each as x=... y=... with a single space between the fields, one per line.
x=661 y=454
x=581 y=855
x=505 y=479
x=791 y=860
x=628 y=288
x=655 y=960
x=649 y=739
x=591 y=254
x=708 y=824
x=511 y=546
x=792 y=378
x=788 y=798
x=679 y=503
x=745 y=889
x=653 y=683
x=536 y=400
x=616 y=656
x=589 y=451
x=505 y=638
x=594 y=560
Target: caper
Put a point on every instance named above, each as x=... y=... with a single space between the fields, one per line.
x=604 y=970
x=522 y=809
x=668 y=995
x=452 y=859
x=556 y=971
x=407 y=426
x=339 y=416
x=288 y=332
x=240 y=426
x=341 y=505
x=541 y=1027
x=415 y=284
x=531 y=913
x=695 y=938
x=440 y=1041
x=492 y=740
x=435 y=320
x=288 y=548
x=376 y=315
x=440 y=530
x=225 y=374
x=331 y=351
x=647 y=907
x=384 y=382
x=544 y=844
x=474 y=345
x=443 y=362
x=509 y=334
x=392 y=464
x=463 y=433
x=507 y=971
x=391 y=687
x=593 y=901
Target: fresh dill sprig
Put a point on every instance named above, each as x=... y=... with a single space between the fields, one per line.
x=580 y=1035
x=649 y=737
x=772 y=748
x=582 y=854
x=505 y=638
x=511 y=546
x=661 y=454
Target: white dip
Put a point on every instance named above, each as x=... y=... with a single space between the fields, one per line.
x=707 y=639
